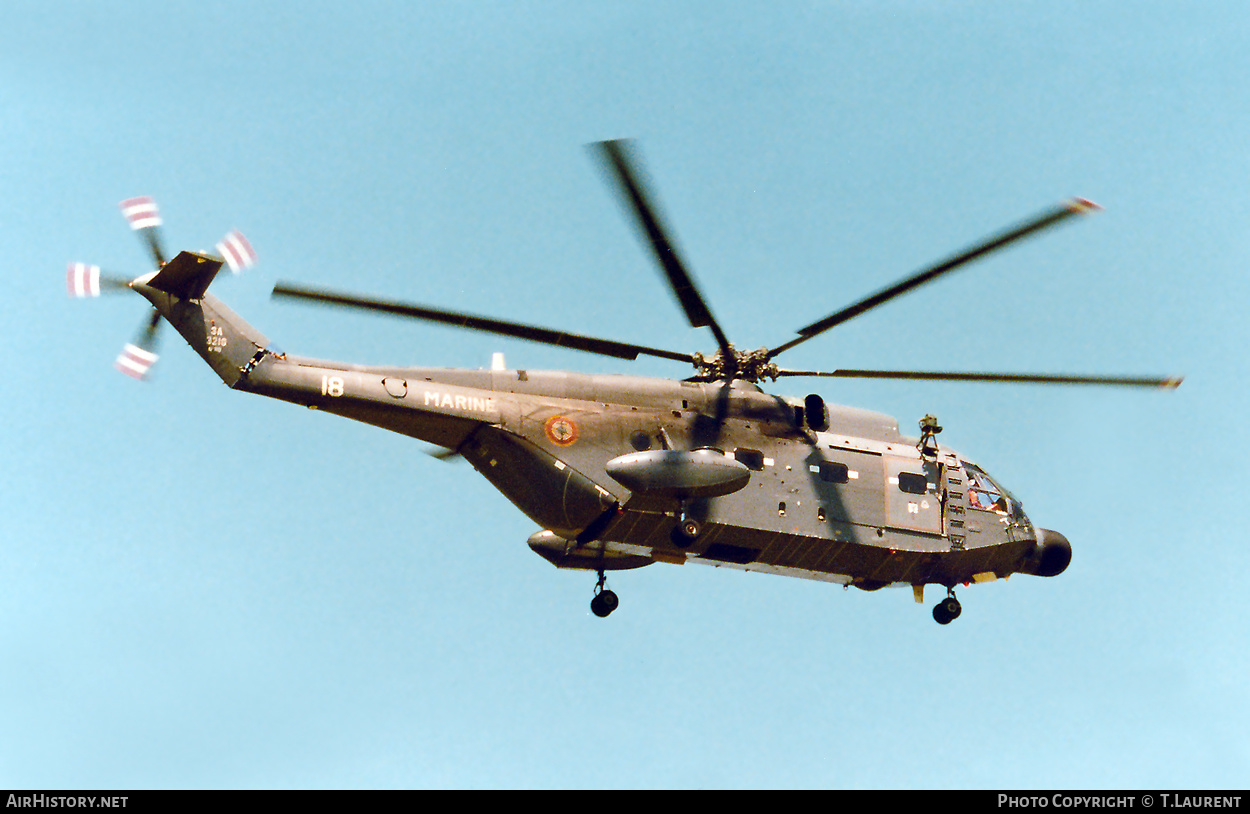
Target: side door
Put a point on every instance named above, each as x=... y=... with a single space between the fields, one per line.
x=848 y=486
x=913 y=495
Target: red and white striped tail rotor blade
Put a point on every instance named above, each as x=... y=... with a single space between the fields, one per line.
x=82 y=280
x=85 y=280
x=141 y=212
x=236 y=250
x=135 y=361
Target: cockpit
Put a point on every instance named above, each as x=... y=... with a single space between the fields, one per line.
x=985 y=494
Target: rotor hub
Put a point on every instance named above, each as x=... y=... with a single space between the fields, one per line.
x=752 y=366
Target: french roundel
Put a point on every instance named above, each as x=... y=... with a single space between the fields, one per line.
x=561 y=431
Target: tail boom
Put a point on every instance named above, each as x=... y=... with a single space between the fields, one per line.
x=241 y=356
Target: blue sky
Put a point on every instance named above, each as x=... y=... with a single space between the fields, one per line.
x=205 y=589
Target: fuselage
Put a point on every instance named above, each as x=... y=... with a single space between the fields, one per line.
x=854 y=504
x=841 y=497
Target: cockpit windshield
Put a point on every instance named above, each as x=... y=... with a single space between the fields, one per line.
x=985 y=494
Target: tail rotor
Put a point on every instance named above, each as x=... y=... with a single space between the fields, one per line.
x=85 y=281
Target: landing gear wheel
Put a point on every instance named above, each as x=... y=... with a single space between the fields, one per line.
x=605 y=601
x=685 y=532
x=947 y=610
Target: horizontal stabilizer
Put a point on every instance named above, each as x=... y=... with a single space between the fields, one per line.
x=187 y=276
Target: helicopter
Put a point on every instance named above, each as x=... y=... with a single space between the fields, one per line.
x=621 y=471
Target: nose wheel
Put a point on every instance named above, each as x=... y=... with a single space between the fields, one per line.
x=685 y=533
x=687 y=529
x=605 y=601
x=948 y=609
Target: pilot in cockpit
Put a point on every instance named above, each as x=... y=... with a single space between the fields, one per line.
x=984 y=494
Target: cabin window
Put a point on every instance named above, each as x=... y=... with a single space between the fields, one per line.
x=781 y=509
x=750 y=458
x=912 y=483
x=834 y=473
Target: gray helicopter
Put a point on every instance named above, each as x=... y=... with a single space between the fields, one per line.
x=620 y=471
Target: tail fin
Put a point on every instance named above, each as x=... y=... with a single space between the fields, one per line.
x=180 y=292
x=187 y=276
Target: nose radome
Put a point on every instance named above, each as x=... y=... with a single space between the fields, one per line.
x=1054 y=552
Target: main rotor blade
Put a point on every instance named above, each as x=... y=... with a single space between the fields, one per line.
x=1169 y=383
x=589 y=344
x=1051 y=217
x=618 y=157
